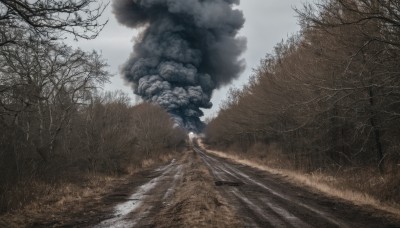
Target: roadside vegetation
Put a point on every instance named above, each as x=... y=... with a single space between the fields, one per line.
x=326 y=103
x=61 y=137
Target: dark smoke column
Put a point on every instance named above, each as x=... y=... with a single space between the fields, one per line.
x=187 y=49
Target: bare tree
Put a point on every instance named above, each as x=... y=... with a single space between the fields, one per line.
x=46 y=82
x=49 y=19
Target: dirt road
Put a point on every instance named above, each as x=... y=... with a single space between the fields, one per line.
x=266 y=200
x=180 y=194
x=201 y=190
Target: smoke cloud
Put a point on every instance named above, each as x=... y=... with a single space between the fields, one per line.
x=187 y=49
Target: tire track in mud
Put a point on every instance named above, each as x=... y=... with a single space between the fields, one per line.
x=138 y=208
x=267 y=200
x=181 y=194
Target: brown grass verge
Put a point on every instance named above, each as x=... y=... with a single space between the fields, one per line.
x=54 y=201
x=197 y=203
x=324 y=183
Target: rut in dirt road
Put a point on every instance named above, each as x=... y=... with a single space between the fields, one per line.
x=266 y=200
x=139 y=208
x=181 y=194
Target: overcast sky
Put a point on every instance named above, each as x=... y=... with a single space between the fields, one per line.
x=267 y=23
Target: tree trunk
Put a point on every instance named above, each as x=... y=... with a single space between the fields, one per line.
x=377 y=133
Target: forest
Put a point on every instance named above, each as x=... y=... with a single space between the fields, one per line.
x=327 y=100
x=57 y=125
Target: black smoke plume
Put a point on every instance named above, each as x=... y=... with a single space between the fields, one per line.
x=187 y=49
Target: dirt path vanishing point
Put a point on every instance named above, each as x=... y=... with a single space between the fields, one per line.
x=201 y=190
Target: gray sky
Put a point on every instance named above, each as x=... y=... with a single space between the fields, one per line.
x=267 y=23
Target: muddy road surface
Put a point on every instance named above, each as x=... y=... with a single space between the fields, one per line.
x=139 y=208
x=266 y=200
x=198 y=189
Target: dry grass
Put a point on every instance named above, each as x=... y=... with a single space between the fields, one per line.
x=54 y=201
x=197 y=203
x=151 y=161
x=350 y=186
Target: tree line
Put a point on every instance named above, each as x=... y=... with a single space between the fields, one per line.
x=56 y=124
x=329 y=96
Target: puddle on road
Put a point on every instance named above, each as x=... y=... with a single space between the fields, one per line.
x=133 y=202
x=122 y=210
